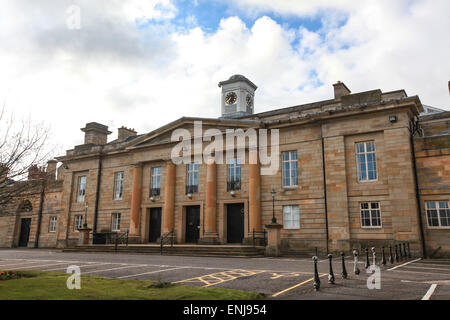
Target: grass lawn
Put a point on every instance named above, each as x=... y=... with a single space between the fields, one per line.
x=41 y=285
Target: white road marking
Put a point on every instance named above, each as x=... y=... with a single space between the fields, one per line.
x=118 y=268
x=429 y=268
x=19 y=264
x=42 y=265
x=402 y=265
x=430 y=292
x=156 y=271
x=433 y=273
x=84 y=265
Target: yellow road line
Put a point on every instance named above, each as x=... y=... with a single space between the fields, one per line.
x=296 y=286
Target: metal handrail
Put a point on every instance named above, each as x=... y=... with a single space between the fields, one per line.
x=166 y=236
x=264 y=232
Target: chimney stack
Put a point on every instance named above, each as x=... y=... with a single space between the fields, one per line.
x=340 y=89
x=51 y=169
x=125 y=132
x=95 y=133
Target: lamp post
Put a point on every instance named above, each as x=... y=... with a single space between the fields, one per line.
x=85 y=215
x=272 y=193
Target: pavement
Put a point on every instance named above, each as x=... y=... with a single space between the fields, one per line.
x=277 y=278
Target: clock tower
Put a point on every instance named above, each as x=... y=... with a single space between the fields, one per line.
x=238 y=96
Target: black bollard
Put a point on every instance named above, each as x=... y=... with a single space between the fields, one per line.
x=374 y=255
x=404 y=251
x=409 y=251
x=383 y=257
x=367 y=265
x=316 y=275
x=355 y=261
x=391 y=257
x=331 y=274
x=397 y=258
x=401 y=252
x=344 y=270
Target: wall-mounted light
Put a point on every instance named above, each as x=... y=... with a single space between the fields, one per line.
x=232 y=193
x=189 y=195
x=393 y=119
x=152 y=198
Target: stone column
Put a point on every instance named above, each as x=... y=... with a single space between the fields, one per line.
x=136 y=200
x=255 y=203
x=169 y=198
x=83 y=238
x=210 y=236
x=273 y=240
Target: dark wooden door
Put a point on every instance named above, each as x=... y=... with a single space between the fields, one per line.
x=192 y=224
x=235 y=223
x=25 y=224
x=155 y=224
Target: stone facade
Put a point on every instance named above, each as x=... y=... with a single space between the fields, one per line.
x=328 y=195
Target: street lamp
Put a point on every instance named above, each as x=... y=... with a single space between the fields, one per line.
x=85 y=215
x=272 y=193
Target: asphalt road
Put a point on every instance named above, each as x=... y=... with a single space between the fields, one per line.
x=277 y=278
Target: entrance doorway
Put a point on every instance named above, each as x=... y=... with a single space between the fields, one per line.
x=235 y=222
x=192 y=224
x=25 y=224
x=155 y=225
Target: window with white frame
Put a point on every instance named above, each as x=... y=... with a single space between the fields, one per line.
x=81 y=193
x=118 y=185
x=370 y=215
x=52 y=224
x=156 y=182
x=438 y=214
x=115 y=222
x=192 y=178
x=234 y=174
x=291 y=217
x=290 y=168
x=77 y=222
x=366 y=161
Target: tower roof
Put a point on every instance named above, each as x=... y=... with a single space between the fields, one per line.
x=236 y=78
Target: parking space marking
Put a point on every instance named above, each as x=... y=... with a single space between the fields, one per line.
x=112 y=269
x=296 y=286
x=21 y=263
x=221 y=277
x=404 y=264
x=433 y=273
x=430 y=292
x=443 y=269
x=150 y=272
x=91 y=264
x=42 y=265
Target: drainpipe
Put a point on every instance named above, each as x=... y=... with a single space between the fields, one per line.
x=413 y=129
x=324 y=185
x=97 y=195
x=41 y=209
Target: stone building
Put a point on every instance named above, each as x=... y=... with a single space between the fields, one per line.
x=348 y=177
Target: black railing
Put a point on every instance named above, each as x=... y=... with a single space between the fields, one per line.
x=191 y=189
x=234 y=185
x=155 y=192
x=264 y=232
x=115 y=238
x=167 y=238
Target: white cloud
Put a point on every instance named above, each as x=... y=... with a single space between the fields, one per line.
x=111 y=72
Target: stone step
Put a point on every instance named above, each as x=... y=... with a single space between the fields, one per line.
x=192 y=250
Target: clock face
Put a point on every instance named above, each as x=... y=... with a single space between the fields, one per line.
x=231 y=98
x=249 y=100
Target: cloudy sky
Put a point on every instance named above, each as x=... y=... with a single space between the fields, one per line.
x=143 y=63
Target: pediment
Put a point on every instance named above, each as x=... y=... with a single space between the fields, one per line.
x=163 y=134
